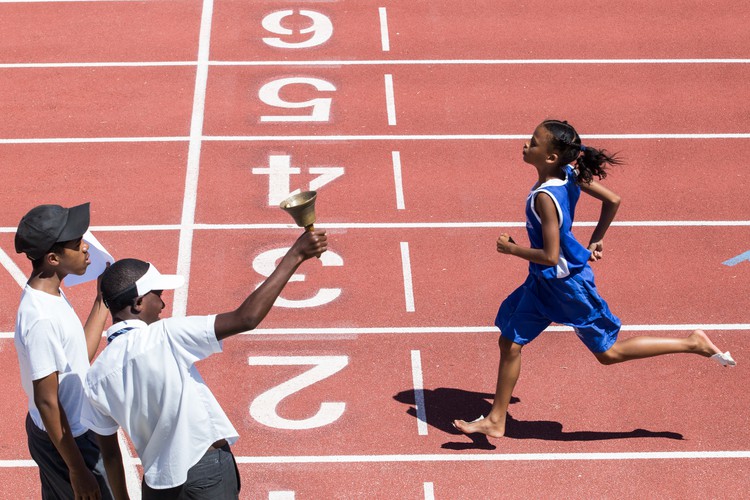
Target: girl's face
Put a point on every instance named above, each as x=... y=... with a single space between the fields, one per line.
x=538 y=150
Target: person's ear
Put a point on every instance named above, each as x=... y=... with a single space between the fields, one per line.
x=52 y=259
x=137 y=306
x=552 y=158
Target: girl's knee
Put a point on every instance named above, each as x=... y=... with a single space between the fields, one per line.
x=608 y=357
x=508 y=347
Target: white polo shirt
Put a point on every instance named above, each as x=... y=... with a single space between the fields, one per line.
x=145 y=381
x=49 y=338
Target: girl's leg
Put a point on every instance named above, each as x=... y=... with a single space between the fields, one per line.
x=646 y=347
x=493 y=425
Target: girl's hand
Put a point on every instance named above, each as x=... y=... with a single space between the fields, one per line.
x=504 y=243
x=597 y=250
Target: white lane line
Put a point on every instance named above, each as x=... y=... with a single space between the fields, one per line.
x=384 y=39
x=281 y=495
x=408 y=284
x=185 y=249
x=397 y=179
x=406 y=225
x=376 y=62
x=394 y=137
x=488 y=62
x=474 y=457
x=12 y=268
x=441 y=330
x=390 y=100
x=429 y=491
x=499 y=457
x=416 y=375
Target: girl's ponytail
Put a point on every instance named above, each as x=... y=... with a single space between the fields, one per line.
x=588 y=161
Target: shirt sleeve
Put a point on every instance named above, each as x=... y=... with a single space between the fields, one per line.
x=193 y=338
x=93 y=417
x=45 y=349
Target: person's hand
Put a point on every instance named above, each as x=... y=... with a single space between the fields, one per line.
x=99 y=282
x=311 y=244
x=84 y=485
x=597 y=250
x=504 y=243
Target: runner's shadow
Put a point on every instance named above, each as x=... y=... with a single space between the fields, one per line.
x=443 y=405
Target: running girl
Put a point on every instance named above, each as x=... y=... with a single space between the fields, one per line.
x=560 y=286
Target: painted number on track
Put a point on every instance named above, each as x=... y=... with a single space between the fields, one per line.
x=263 y=408
x=321 y=29
x=265 y=263
x=320 y=107
x=280 y=171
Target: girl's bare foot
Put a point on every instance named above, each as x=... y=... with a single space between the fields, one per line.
x=707 y=348
x=704 y=345
x=482 y=426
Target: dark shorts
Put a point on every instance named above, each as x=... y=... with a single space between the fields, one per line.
x=214 y=477
x=572 y=301
x=53 y=472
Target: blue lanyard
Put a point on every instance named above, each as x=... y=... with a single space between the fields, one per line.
x=119 y=332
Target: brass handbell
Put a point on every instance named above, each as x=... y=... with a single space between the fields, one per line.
x=302 y=208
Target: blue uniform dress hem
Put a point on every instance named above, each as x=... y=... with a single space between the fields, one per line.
x=572 y=301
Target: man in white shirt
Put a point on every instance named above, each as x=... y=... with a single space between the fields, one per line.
x=145 y=380
x=54 y=351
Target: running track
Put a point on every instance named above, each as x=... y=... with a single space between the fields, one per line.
x=176 y=120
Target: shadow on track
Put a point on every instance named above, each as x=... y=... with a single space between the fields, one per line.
x=443 y=405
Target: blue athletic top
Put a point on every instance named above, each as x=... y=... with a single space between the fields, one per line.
x=573 y=256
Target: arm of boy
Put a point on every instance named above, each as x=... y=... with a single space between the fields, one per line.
x=112 y=458
x=255 y=307
x=95 y=322
x=56 y=422
x=550 y=254
x=610 y=204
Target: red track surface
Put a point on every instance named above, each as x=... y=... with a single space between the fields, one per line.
x=468 y=190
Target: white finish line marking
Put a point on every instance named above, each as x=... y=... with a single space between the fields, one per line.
x=429 y=491
x=398 y=180
x=390 y=100
x=416 y=375
x=384 y=39
x=408 y=285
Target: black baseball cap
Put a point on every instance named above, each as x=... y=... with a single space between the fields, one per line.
x=46 y=225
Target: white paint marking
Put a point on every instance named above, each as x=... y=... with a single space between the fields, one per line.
x=416 y=376
x=132 y=478
x=336 y=138
x=12 y=268
x=390 y=100
x=441 y=330
x=429 y=491
x=499 y=457
x=398 y=179
x=408 y=285
x=384 y=39
x=184 y=254
x=371 y=62
x=474 y=457
x=281 y=495
x=406 y=225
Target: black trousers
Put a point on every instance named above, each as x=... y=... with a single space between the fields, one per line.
x=214 y=477
x=53 y=471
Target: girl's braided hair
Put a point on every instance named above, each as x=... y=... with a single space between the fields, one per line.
x=589 y=161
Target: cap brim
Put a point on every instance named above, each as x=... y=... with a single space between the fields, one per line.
x=77 y=224
x=154 y=280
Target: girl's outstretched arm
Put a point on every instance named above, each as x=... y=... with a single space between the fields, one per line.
x=550 y=254
x=610 y=204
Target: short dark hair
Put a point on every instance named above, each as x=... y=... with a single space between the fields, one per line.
x=119 y=278
x=58 y=248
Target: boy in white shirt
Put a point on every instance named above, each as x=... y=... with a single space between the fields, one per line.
x=54 y=351
x=145 y=380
